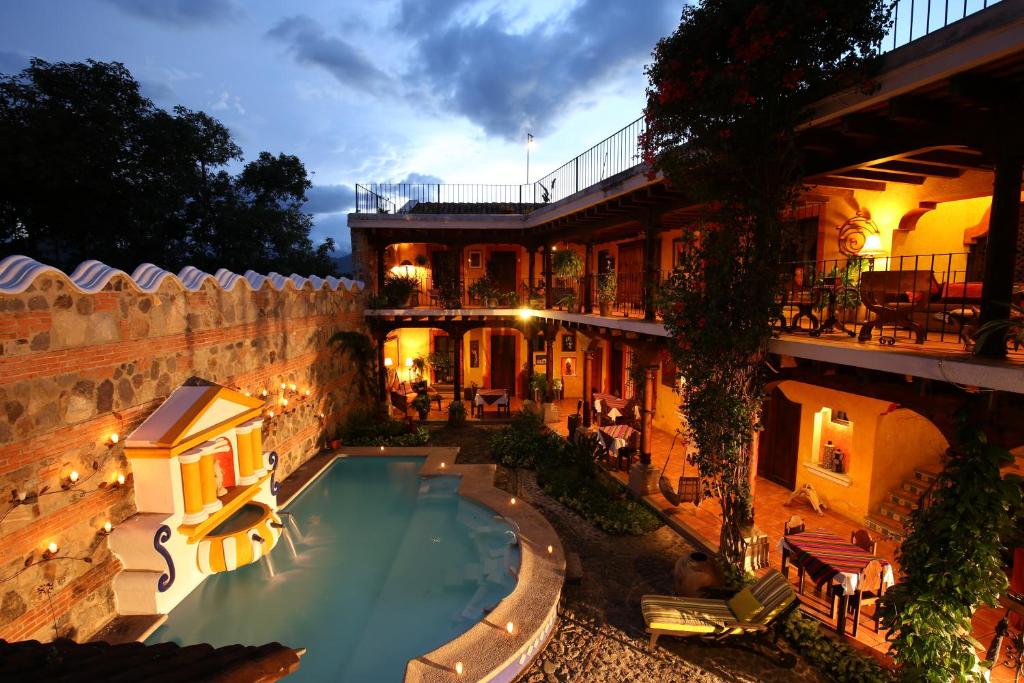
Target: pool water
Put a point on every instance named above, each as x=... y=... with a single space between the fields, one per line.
x=379 y=566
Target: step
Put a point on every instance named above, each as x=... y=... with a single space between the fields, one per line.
x=928 y=473
x=914 y=487
x=898 y=513
x=888 y=528
x=904 y=498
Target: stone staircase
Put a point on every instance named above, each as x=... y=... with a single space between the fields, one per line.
x=894 y=512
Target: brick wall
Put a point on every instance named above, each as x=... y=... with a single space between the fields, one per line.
x=75 y=367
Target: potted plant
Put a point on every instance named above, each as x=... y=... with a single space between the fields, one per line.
x=539 y=387
x=335 y=442
x=421 y=404
x=441 y=363
x=449 y=293
x=569 y=302
x=508 y=299
x=419 y=368
x=484 y=292
x=606 y=288
x=398 y=290
x=567 y=263
x=456 y=413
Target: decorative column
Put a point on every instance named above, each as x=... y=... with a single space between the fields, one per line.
x=549 y=368
x=459 y=274
x=382 y=372
x=243 y=441
x=588 y=279
x=207 y=477
x=531 y=266
x=643 y=477
x=1001 y=250
x=529 y=334
x=588 y=399
x=191 y=486
x=256 y=448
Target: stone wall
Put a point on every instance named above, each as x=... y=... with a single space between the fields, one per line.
x=77 y=366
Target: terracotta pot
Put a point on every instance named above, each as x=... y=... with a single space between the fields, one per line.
x=694 y=572
x=605 y=308
x=335 y=444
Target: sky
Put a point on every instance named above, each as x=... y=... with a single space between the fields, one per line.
x=372 y=91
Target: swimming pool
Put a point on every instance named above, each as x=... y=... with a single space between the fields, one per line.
x=380 y=566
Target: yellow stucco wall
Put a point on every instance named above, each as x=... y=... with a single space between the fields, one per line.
x=904 y=440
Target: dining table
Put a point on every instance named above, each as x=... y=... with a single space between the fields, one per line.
x=829 y=559
x=610 y=406
x=619 y=437
x=491 y=397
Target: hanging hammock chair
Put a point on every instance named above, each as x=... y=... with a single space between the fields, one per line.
x=689 y=487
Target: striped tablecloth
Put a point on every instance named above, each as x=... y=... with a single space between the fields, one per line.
x=611 y=406
x=827 y=558
x=619 y=434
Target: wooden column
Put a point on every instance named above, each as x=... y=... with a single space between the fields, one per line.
x=457 y=364
x=588 y=277
x=459 y=274
x=549 y=368
x=531 y=266
x=588 y=399
x=549 y=292
x=647 y=415
x=1001 y=250
x=530 y=334
x=650 y=267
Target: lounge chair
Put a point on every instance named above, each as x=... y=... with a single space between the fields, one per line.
x=750 y=616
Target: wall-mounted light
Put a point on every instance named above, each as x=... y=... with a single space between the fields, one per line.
x=512 y=500
x=112 y=439
x=551 y=549
x=263 y=393
x=308 y=393
x=459 y=668
x=442 y=466
x=120 y=479
x=510 y=627
x=270 y=414
x=283 y=386
x=51 y=550
x=292 y=388
x=388 y=362
x=107 y=527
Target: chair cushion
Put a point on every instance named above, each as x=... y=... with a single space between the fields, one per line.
x=774 y=593
x=685 y=615
x=744 y=605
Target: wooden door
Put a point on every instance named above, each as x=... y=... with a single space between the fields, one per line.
x=597 y=372
x=779 y=443
x=502 y=268
x=503 y=363
x=615 y=372
x=629 y=276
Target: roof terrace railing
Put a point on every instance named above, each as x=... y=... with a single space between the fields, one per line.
x=620 y=151
x=913 y=19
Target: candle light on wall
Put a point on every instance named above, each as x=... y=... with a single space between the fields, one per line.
x=120 y=479
x=291 y=387
x=459 y=668
x=551 y=549
x=512 y=500
x=73 y=476
x=107 y=527
x=283 y=386
x=308 y=393
x=52 y=548
x=113 y=438
x=510 y=627
x=263 y=393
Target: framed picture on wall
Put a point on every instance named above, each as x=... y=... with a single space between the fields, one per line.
x=569 y=364
x=542 y=359
x=474 y=353
x=568 y=343
x=476 y=259
x=678 y=251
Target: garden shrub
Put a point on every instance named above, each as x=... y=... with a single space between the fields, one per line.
x=837 y=661
x=567 y=471
x=376 y=428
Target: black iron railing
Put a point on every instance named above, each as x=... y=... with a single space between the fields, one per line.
x=913 y=19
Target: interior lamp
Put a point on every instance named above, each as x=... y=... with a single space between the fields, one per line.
x=408 y=362
x=872 y=245
x=388 y=362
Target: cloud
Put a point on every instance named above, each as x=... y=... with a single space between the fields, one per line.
x=420 y=179
x=161 y=93
x=507 y=81
x=335 y=226
x=228 y=101
x=309 y=43
x=181 y=13
x=327 y=199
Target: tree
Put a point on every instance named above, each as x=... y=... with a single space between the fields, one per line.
x=952 y=562
x=726 y=92
x=93 y=169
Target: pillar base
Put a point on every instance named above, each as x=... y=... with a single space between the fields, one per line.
x=550 y=412
x=212 y=507
x=643 y=479
x=191 y=518
x=248 y=479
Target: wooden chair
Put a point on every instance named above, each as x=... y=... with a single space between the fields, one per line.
x=796 y=525
x=869 y=590
x=863 y=540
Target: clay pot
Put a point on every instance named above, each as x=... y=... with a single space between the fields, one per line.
x=694 y=572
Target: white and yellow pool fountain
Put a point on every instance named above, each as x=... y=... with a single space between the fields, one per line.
x=205 y=494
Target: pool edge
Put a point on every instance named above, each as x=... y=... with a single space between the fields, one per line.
x=487 y=651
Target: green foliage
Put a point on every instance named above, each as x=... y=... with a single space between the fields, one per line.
x=362 y=355
x=92 y=169
x=441 y=362
x=483 y=289
x=1011 y=328
x=421 y=404
x=567 y=263
x=952 y=562
x=727 y=91
x=375 y=428
x=398 y=289
x=456 y=413
x=607 y=286
x=539 y=384
x=837 y=661
x=568 y=472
